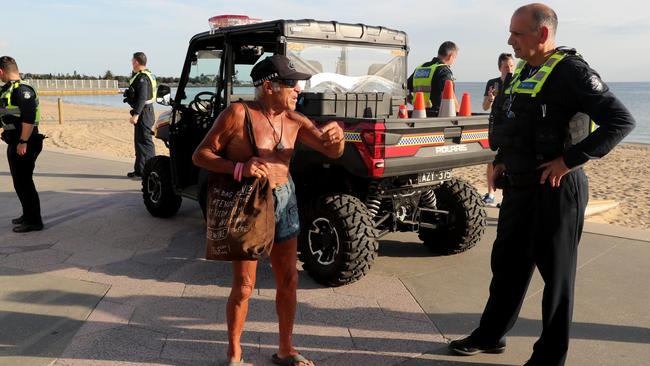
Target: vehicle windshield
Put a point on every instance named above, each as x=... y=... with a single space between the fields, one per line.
x=350 y=68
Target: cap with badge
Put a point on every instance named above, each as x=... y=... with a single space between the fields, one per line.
x=276 y=67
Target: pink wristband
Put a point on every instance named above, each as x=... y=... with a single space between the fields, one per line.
x=240 y=173
x=237 y=173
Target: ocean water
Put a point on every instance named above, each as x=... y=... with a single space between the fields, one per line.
x=635 y=96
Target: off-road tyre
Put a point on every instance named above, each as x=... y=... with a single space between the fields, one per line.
x=157 y=188
x=467 y=218
x=337 y=240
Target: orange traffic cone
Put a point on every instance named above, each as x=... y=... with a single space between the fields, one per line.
x=418 y=106
x=447 y=102
x=465 y=106
x=403 y=111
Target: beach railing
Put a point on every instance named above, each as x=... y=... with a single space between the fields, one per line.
x=64 y=86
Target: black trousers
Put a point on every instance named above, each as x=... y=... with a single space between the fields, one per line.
x=22 y=169
x=539 y=226
x=143 y=140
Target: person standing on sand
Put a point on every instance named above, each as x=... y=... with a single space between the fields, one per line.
x=141 y=95
x=277 y=127
x=540 y=127
x=506 y=66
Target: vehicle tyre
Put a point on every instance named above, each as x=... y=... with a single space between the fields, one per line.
x=467 y=218
x=337 y=240
x=157 y=188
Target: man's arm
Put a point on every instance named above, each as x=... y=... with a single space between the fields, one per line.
x=26 y=99
x=592 y=97
x=329 y=140
x=409 y=83
x=142 y=91
x=207 y=154
x=409 y=86
x=488 y=96
x=613 y=119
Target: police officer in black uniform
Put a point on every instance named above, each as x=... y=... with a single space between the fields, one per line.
x=430 y=77
x=540 y=127
x=141 y=95
x=19 y=117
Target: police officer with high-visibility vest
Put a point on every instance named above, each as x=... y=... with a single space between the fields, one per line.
x=540 y=128
x=19 y=117
x=141 y=95
x=430 y=77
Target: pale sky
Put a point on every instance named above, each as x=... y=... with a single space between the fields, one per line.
x=91 y=37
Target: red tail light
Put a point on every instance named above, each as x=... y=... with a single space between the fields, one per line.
x=375 y=140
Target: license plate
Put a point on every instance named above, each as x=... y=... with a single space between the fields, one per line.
x=428 y=177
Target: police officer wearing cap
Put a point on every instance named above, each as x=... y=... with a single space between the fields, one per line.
x=429 y=78
x=540 y=127
x=141 y=95
x=19 y=117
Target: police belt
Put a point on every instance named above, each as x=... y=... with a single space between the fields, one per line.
x=519 y=179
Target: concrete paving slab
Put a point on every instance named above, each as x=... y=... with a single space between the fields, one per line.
x=98 y=256
x=107 y=315
x=356 y=358
x=33 y=260
x=171 y=315
x=41 y=313
x=394 y=336
x=64 y=270
x=118 y=345
x=340 y=310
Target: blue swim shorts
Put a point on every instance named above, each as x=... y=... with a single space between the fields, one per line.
x=287 y=223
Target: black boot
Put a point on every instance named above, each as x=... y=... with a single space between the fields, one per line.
x=25 y=227
x=18 y=220
x=469 y=347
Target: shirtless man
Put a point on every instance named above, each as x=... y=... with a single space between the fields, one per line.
x=277 y=127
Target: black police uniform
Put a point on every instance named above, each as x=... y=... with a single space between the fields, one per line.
x=540 y=226
x=22 y=167
x=441 y=75
x=138 y=96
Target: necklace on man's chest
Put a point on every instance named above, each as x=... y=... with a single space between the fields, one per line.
x=278 y=144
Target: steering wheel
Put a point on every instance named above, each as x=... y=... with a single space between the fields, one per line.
x=202 y=102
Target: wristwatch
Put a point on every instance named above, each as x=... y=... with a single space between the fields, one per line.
x=21 y=141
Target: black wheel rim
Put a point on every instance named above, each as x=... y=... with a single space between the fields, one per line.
x=154 y=187
x=323 y=241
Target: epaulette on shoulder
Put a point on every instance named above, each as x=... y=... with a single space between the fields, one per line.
x=568 y=51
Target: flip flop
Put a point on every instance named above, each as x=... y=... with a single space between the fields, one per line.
x=291 y=360
x=237 y=363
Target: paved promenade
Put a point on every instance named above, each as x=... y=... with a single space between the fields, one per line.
x=108 y=284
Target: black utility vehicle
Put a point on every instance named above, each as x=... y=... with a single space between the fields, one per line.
x=395 y=174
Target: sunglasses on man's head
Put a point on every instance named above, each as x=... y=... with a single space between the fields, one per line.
x=290 y=83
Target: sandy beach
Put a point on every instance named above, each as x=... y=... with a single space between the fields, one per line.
x=105 y=131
